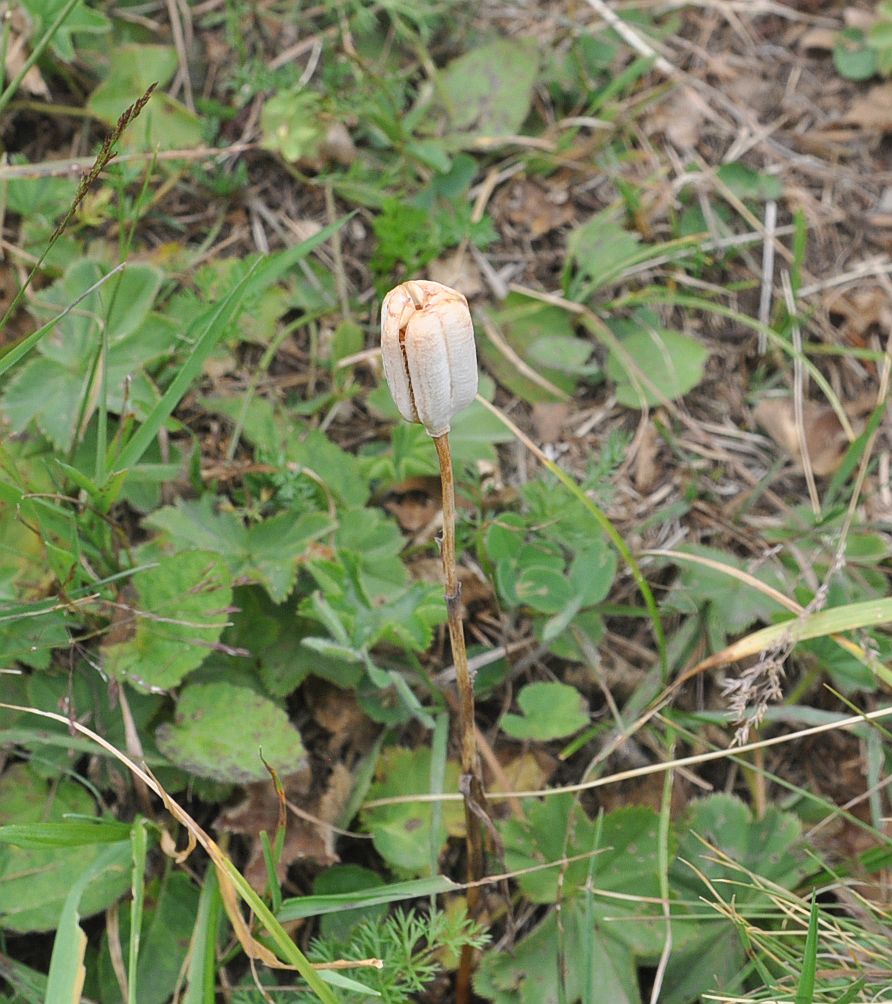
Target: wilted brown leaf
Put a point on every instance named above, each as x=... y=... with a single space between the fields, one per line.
x=825 y=440
x=414 y=502
x=645 y=472
x=537 y=205
x=16 y=54
x=473 y=588
x=681 y=118
x=337 y=711
x=820 y=39
x=549 y=420
x=526 y=771
x=458 y=270
x=861 y=308
x=872 y=111
x=308 y=836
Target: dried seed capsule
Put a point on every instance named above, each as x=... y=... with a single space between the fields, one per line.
x=430 y=359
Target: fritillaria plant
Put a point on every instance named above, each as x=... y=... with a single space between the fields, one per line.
x=430 y=362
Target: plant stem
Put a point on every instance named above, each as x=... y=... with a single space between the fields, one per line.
x=471 y=781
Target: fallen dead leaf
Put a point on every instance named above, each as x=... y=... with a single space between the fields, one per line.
x=825 y=440
x=855 y=17
x=681 y=118
x=644 y=471
x=414 y=502
x=860 y=308
x=537 y=205
x=872 y=111
x=458 y=270
x=337 y=711
x=820 y=39
x=16 y=55
x=549 y=420
x=529 y=770
x=259 y=811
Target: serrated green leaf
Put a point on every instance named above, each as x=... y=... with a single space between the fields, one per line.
x=268 y=552
x=220 y=732
x=535 y=971
x=764 y=846
x=50 y=388
x=624 y=859
x=180 y=608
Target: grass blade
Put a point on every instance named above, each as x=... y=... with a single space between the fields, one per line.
x=65 y=980
x=200 y=976
x=139 y=848
x=805 y=992
x=71 y=834
x=314 y=906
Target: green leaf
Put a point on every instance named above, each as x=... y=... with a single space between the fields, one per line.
x=403 y=834
x=746 y=183
x=34 y=881
x=268 y=552
x=764 y=846
x=168 y=919
x=852 y=56
x=338 y=470
x=536 y=970
x=363 y=898
x=290 y=123
x=345 y=881
x=179 y=611
x=474 y=435
x=529 y=326
x=277 y=545
x=623 y=856
x=65 y=979
x=550 y=711
x=67 y=834
x=487 y=92
x=653 y=364
x=164 y=122
x=274 y=638
x=879 y=35
x=82 y=20
x=545 y=589
x=714 y=827
x=600 y=249
x=50 y=388
x=220 y=732
x=734 y=605
x=805 y=991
